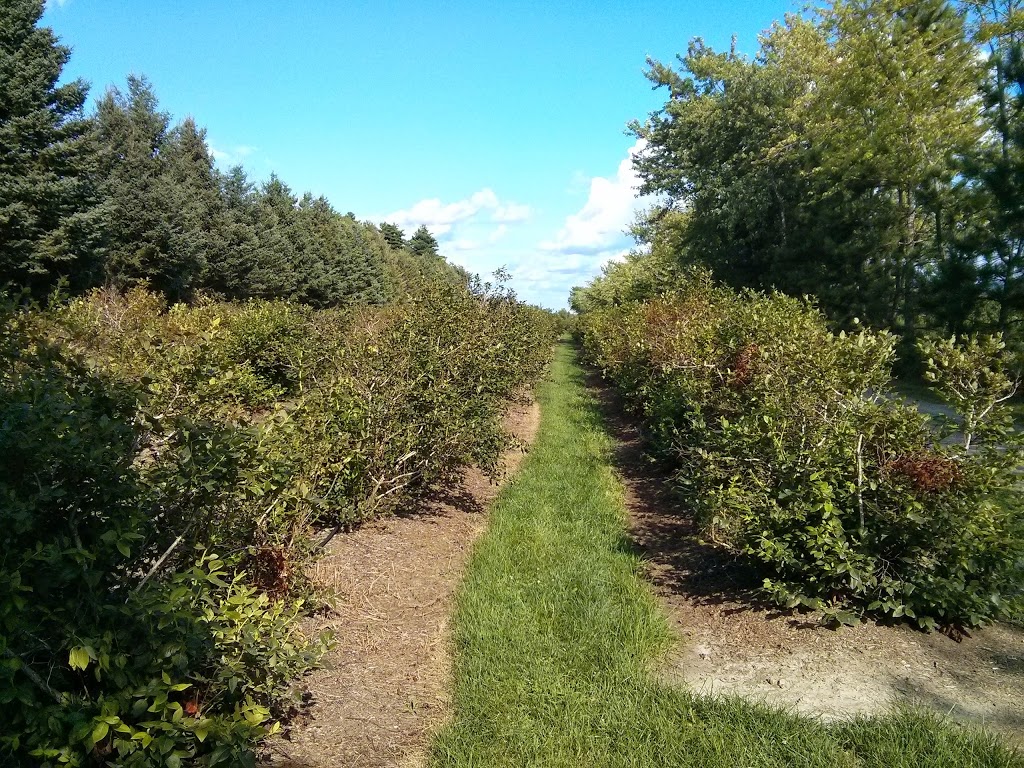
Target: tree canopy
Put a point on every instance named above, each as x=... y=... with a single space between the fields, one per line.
x=868 y=155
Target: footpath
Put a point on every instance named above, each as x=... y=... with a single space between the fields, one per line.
x=558 y=637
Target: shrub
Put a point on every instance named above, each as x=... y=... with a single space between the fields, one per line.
x=793 y=455
x=97 y=656
x=137 y=435
x=190 y=667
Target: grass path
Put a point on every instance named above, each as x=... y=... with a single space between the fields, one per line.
x=556 y=635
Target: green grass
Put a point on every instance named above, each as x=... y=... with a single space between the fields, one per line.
x=556 y=636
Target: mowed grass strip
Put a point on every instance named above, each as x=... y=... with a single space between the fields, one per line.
x=556 y=634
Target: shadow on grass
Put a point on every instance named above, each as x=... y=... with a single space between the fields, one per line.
x=663 y=530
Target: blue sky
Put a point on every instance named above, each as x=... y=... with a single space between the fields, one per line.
x=501 y=126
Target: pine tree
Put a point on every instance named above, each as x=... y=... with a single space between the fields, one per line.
x=228 y=271
x=893 y=106
x=994 y=174
x=199 y=234
x=273 y=273
x=394 y=236
x=422 y=243
x=365 y=270
x=823 y=166
x=139 y=229
x=166 y=216
x=49 y=219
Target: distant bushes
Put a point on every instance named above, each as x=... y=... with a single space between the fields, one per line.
x=792 y=454
x=168 y=471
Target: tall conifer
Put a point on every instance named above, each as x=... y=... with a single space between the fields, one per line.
x=49 y=221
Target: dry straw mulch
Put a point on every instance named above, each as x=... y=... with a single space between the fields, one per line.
x=383 y=690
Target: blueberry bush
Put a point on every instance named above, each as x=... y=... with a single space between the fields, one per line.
x=795 y=455
x=170 y=471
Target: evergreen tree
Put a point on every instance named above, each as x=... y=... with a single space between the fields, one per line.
x=276 y=226
x=394 y=236
x=200 y=232
x=49 y=220
x=993 y=175
x=422 y=243
x=825 y=166
x=342 y=268
x=893 y=107
x=710 y=151
x=166 y=215
x=228 y=270
x=319 y=278
x=366 y=282
x=140 y=231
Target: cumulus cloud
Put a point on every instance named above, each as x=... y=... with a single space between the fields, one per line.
x=547 y=277
x=511 y=213
x=588 y=239
x=461 y=245
x=442 y=218
x=482 y=231
x=601 y=223
x=550 y=267
x=231 y=155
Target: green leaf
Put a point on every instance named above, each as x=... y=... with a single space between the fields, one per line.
x=78 y=658
x=144 y=738
x=100 y=731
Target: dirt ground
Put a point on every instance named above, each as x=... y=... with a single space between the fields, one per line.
x=383 y=690
x=733 y=643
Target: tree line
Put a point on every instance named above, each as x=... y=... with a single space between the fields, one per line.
x=122 y=197
x=871 y=155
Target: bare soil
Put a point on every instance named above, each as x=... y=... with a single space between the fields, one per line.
x=734 y=643
x=383 y=690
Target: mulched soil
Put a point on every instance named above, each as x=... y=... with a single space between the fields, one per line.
x=383 y=690
x=732 y=642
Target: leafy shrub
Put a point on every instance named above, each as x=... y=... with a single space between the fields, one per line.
x=136 y=435
x=97 y=656
x=191 y=667
x=270 y=337
x=410 y=396
x=793 y=456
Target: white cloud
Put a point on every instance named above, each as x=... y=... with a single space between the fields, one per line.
x=441 y=218
x=461 y=245
x=482 y=231
x=547 y=277
x=610 y=208
x=554 y=268
x=594 y=236
x=511 y=213
x=232 y=155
